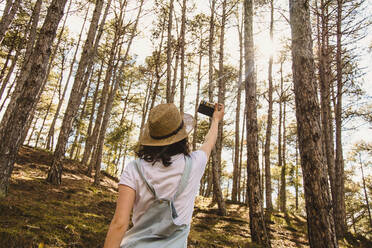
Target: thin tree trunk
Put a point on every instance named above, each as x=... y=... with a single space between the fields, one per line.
x=268 y=192
x=280 y=157
x=241 y=153
x=111 y=97
x=197 y=92
x=340 y=219
x=256 y=220
x=50 y=137
x=55 y=171
x=283 y=194
x=169 y=53
x=88 y=143
x=297 y=176
x=319 y=218
x=183 y=30
x=92 y=140
x=325 y=85
x=236 y=170
x=217 y=163
x=8 y=16
x=11 y=133
x=26 y=65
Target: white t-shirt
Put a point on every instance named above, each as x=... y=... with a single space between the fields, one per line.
x=165 y=181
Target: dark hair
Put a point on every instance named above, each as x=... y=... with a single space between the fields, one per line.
x=163 y=153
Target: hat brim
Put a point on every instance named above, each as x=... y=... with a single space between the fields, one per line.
x=188 y=126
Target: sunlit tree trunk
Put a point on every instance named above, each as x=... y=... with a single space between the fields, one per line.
x=20 y=79
x=236 y=170
x=182 y=47
x=197 y=92
x=217 y=163
x=55 y=171
x=169 y=53
x=256 y=219
x=97 y=160
x=340 y=215
x=10 y=134
x=268 y=191
x=320 y=224
x=50 y=137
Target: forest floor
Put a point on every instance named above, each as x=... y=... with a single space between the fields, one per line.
x=77 y=214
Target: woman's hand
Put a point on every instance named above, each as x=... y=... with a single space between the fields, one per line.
x=219 y=111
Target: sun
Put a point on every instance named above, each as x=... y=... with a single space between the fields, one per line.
x=265 y=47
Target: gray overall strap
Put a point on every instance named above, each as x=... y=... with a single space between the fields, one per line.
x=149 y=186
x=185 y=177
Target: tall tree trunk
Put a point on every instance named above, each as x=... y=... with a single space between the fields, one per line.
x=50 y=137
x=325 y=84
x=283 y=182
x=241 y=154
x=55 y=171
x=9 y=13
x=297 y=176
x=197 y=92
x=183 y=27
x=217 y=163
x=340 y=219
x=92 y=140
x=256 y=219
x=79 y=121
x=26 y=65
x=110 y=100
x=88 y=143
x=11 y=133
x=268 y=192
x=319 y=218
x=280 y=157
x=169 y=53
x=236 y=170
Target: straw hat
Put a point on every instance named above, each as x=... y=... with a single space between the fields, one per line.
x=166 y=126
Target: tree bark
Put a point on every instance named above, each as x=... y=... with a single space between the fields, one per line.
x=283 y=182
x=236 y=171
x=340 y=219
x=110 y=100
x=11 y=133
x=256 y=219
x=268 y=192
x=50 y=137
x=169 y=53
x=197 y=92
x=9 y=13
x=55 y=171
x=26 y=65
x=282 y=198
x=319 y=217
x=183 y=30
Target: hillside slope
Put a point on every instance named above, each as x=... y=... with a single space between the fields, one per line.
x=77 y=214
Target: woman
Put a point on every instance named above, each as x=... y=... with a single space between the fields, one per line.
x=162 y=184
